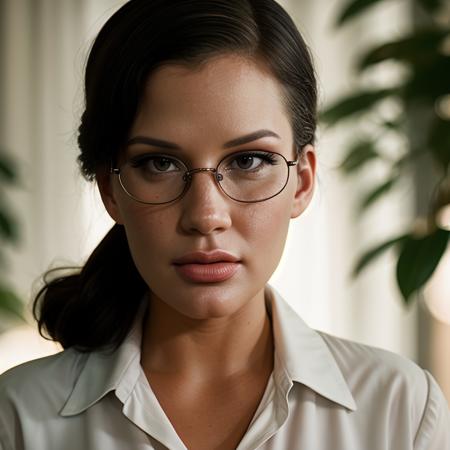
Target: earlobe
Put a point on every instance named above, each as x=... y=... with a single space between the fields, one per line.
x=306 y=172
x=104 y=183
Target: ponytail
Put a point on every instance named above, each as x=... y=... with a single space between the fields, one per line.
x=95 y=307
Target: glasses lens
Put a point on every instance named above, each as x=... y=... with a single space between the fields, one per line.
x=245 y=176
x=253 y=176
x=153 y=178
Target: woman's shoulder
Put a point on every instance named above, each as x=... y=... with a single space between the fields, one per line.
x=33 y=393
x=44 y=377
x=354 y=356
x=383 y=380
x=370 y=368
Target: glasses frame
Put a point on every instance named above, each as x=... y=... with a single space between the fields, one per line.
x=187 y=178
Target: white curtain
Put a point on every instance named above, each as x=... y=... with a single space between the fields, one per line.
x=45 y=43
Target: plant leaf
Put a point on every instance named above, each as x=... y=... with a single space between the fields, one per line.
x=2 y=260
x=376 y=193
x=439 y=142
x=8 y=225
x=354 y=8
x=348 y=106
x=358 y=155
x=393 y=125
x=7 y=169
x=10 y=303
x=418 y=259
x=367 y=257
x=429 y=83
x=419 y=48
x=430 y=5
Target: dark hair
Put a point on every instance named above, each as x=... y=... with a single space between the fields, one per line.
x=95 y=307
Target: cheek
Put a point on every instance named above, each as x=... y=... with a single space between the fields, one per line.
x=144 y=222
x=270 y=219
x=266 y=230
x=148 y=232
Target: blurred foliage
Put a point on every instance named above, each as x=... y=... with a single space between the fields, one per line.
x=422 y=100
x=11 y=306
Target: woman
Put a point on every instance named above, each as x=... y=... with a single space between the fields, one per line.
x=199 y=129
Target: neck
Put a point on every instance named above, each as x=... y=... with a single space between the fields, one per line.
x=218 y=348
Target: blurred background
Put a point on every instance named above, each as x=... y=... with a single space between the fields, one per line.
x=51 y=217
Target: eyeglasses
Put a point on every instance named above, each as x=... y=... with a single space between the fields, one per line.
x=244 y=176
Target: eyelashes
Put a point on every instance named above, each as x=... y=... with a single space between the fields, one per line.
x=164 y=161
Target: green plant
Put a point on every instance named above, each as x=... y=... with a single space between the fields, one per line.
x=10 y=304
x=421 y=123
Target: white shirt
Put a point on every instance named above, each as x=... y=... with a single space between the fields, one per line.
x=325 y=393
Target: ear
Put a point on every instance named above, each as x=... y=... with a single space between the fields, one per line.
x=306 y=175
x=105 y=186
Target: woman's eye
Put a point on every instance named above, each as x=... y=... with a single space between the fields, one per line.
x=251 y=161
x=247 y=161
x=161 y=164
x=156 y=164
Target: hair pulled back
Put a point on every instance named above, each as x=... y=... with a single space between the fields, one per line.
x=95 y=307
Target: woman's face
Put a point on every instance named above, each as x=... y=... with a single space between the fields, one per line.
x=199 y=110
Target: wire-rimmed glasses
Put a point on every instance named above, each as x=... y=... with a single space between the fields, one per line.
x=244 y=176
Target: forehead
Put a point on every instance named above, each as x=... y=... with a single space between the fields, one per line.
x=226 y=96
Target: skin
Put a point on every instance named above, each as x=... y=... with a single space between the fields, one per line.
x=218 y=334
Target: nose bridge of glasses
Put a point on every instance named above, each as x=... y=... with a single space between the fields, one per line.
x=188 y=174
x=203 y=185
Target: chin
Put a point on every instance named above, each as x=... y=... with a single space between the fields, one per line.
x=201 y=302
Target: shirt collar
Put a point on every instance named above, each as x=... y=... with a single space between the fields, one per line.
x=106 y=371
x=303 y=353
x=302 y=356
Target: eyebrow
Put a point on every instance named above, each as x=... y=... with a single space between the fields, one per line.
x=233 y=143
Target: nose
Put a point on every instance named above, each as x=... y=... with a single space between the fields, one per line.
x=205 y=208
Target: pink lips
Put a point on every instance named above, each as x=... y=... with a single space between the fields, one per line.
x=207 y=267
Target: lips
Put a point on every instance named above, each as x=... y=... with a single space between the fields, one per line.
x=206 y=257
x=207 y=267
